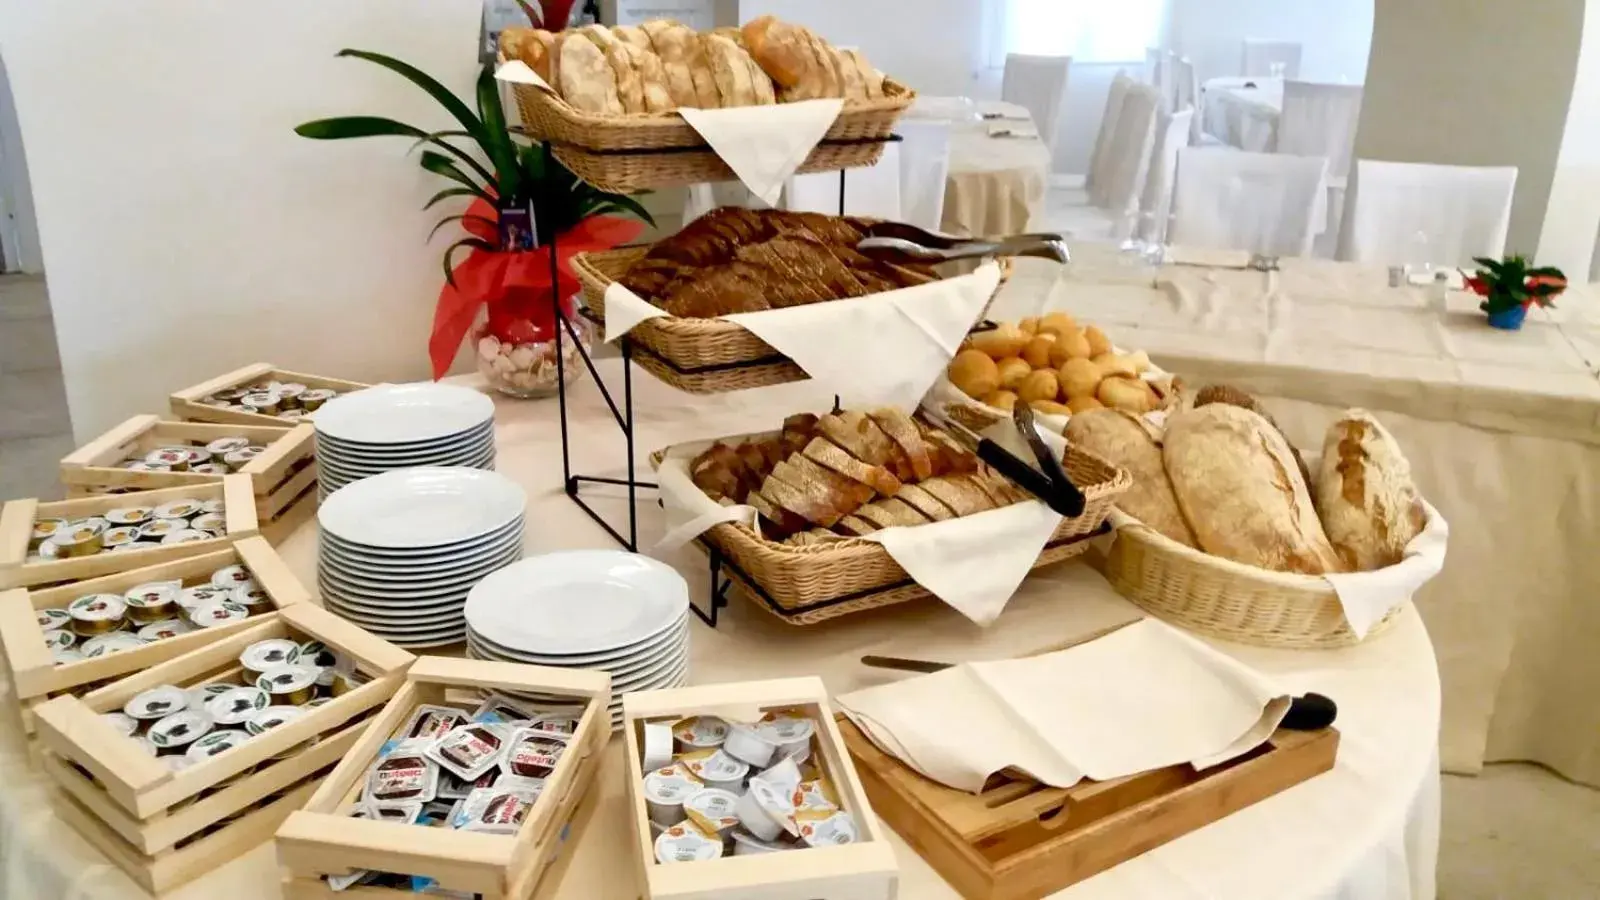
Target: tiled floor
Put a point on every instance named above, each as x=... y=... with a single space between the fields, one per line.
x=1516 y=831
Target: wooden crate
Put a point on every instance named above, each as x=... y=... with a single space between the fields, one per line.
x=186 y=403
x=864 y=870
x=323 y=839
x=33 y=672
x=282 y=475
x=160 y=817
x=1020 y=840
x=289 y=521
x=17 y=518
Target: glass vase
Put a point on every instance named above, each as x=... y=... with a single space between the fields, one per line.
x=515 y=347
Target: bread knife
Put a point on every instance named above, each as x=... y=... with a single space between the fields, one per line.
x=1311 y=712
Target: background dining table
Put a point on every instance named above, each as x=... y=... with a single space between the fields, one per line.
x=1243 y=112
x=999 y=167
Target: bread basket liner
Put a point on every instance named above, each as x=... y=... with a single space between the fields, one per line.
x=973 y=563
x=1230 y=600
x=883 y=349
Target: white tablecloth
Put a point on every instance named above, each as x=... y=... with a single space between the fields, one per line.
x=1368 y=829
x=995 y=184
x=1244 y=113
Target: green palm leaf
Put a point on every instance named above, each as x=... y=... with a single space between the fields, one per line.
x=450 y=252
x=344 y=127
x=447 y=193
x=452 y=104
x=461 y=218
x=439 y=164
x=501 y=149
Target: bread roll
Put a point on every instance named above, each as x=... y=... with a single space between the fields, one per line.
x=1070 y=344
x=1038 y=351
x=1369 y=505
x=1111 y=364
x=587 y=80
x=1240 y=491
x=1129 y=394
x=1098 y=342
x=1120 y=439
x=1041 y=385
x=1051 y=407
x=1006 y=400
x=1030 y=325
x=1000 y=342
x=1058 y=321
x=1079 y=378
x=1012 y=371
x=1083 y=404
x=975 y=373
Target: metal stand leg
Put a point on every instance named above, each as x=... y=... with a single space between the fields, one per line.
x=841 y=191
x=719 y=591
x=622 y=415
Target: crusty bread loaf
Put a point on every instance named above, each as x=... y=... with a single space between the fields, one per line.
x=728 y=69
x=1370 y=508
x=781 y=48
x=587 y=79
x=1120 y=439
x=1240 y=491
x=1227 y=393
x=674 y=44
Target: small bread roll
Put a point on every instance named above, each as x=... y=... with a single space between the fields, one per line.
x=1098 y=342
x=975 y=373
x=1111 y=366
x=1001 y=342
x=1029 y=325
x=1070 y=344
x=1079 y=378
x=1037 y=352
x=1012 y=371
x=1139 y=359
x=1006 y=400
x=1058 y=321
x=1083 y=404
x=1041 y=385
x=1129 y=394
x=1051 y=407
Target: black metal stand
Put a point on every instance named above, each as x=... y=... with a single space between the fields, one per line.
x=622 y=414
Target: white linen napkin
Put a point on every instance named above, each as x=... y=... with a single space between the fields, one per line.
x=516 y=71
x=1143 y=697
x=883 y=349
x=764 y=145
x=1367 y=597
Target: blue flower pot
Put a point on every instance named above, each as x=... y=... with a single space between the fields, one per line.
x=1508 y=319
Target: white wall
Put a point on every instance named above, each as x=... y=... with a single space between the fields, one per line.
x=186 y=230
x=1571 y=227
x=1335 y=34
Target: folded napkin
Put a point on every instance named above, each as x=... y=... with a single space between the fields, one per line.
x=764 y=145
x=517 y=72
x=1367 y=597
x=879 y=350
x=1143 y=697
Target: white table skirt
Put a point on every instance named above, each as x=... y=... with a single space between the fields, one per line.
x=1241 y=116
x=1368 y=829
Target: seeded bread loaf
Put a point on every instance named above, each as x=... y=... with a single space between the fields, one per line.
x=1370 y=508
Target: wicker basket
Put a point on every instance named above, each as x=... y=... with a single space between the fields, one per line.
x=699 y=356
x=639 y=152
x=1225 y=599
x=804 y=585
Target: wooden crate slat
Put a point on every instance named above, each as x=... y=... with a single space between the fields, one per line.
x=185 y=404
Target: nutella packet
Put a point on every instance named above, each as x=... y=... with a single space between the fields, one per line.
x=533 y=753
x=437 y=812
x=402 y=776
x=402 y=813
x=469 y=750
x=432 y=722
x=493 y=810
x=453 y=788
x=534 y=786
x=347 y=880
x=559 y=724
x=502 y=710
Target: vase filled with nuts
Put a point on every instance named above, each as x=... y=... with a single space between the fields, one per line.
x=517 y=354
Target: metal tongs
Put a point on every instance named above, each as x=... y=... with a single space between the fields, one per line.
x=898 y=238
x=1048 y=482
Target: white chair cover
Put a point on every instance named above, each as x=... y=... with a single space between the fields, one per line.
x=1172 y=135
x=1154 y=58
x=1185 y=85
x=1320 y=120
x=1464 y=212
x=706 y=196
x=1108 y=127
x=1128 y=160
x=1261 y=202
x=872 y=191
x=924 y=168
x=1040 y=84
x=1260 y=55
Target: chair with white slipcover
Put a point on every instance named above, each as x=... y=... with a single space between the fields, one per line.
x=1259 y=57
x=1038 y=83
x=1265 y=203
x=1120 y=86
x=871 y=191
x=1115 y=195
x=1172 y=134
x=1463 y=211
x=924 y=169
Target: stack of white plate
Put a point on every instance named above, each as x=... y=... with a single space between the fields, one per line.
x=586 y=609
x=399 y=426
x=401 y=550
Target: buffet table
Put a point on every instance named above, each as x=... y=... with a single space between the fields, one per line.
x=1369 y=828
x=1244 y=112
x=1501 y=430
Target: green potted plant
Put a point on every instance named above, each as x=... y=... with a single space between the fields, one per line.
x=500 y=294
x=1509 y=287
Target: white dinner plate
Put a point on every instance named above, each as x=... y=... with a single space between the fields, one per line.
x=438 y=563
x=384 y=463
x=446 y=619
x=434 y=553
x=428 y=507
x=403 y=413
x=450 y=641
x=417 y=579
x=480 y=444
x=483 y=431
x=576 y=601
x=338 y=470
x=396 y=590
x=585 y=660
x=387 y=611
x=674 y=643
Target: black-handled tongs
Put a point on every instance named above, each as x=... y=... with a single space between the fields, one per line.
x=1048 y=481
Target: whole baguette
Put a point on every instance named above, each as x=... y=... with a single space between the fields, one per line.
x=1369 y=505
x=1239 y=489
x=1118 y=437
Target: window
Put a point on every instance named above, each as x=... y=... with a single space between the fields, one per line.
x=1087 y=30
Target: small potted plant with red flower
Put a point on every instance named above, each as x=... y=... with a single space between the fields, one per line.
x=1509 y=287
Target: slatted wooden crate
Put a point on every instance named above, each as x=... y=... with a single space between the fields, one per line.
x=324 y=840
x=187 y=404
x=864 y=870
x=164 y=827
x=34 y=674
x=285 y=473
x=1020 y=840
x=18 y=517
